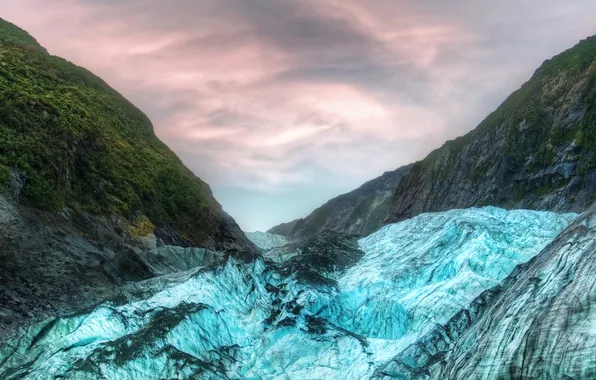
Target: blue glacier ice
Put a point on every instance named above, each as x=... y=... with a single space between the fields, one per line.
x=256 y=320
x=422 y=271
x=266 y=240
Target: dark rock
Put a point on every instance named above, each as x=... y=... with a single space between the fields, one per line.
x=321 y=258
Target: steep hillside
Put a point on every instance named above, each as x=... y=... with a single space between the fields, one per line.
x=536 y=151
x=71 y=144
x=90 y=199
x=12 y=34
x=359 y=212
x=538 y=324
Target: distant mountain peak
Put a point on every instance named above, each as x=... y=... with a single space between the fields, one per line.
x=358 y=212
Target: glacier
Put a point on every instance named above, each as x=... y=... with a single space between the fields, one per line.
x=539 y=323
x=266 y=240
x=283 y=319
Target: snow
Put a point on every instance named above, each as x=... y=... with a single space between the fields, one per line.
x=246 y=320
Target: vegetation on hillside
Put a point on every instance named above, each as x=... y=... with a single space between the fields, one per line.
x=13 y=35
x=532 y=106
x=80 y=144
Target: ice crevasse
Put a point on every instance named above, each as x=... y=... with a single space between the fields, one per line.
x=257 y=320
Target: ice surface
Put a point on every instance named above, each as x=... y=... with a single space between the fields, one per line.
x=246 y=320
x=424 y=270
x=265 y=240
x=539 y=324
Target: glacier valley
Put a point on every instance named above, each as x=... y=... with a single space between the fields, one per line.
x=334 y=307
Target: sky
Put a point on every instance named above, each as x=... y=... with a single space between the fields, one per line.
x=281 y=105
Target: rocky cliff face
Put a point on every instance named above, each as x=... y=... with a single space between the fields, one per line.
x=536 y=151
x=359 y=212
x=58 y=264
x=538 y=324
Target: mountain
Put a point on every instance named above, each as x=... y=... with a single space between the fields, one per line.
x=359 y=212
x=536 y=151
x=70 y=141
x=117 y=263
x=90 y=198
x=538 y=323
x=339 y=308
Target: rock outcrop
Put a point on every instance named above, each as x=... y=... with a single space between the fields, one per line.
x=536 y=151
x=53 y=266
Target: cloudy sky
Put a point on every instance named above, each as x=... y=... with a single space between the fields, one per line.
x=283 y=104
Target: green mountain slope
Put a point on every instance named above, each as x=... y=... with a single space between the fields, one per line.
x=537 y=150
x=12 y=34
x=69 y=141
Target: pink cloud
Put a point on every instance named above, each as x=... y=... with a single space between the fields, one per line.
x=268 y=96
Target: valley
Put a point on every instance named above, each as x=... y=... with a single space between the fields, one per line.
x=117 y=262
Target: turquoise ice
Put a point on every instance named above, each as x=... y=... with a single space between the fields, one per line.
x=247 y=320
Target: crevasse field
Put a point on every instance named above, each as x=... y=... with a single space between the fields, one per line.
x=254 y=320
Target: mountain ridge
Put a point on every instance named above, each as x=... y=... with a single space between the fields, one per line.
x=358 y=212
x=90 y=198
x=70 y=143
x=536 y=151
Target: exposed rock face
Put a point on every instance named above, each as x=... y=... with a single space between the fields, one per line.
x=539 y=324
x=340 y=308
x=359 y=212
x=536 y=151
x=50 y=266
x=284 y=229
